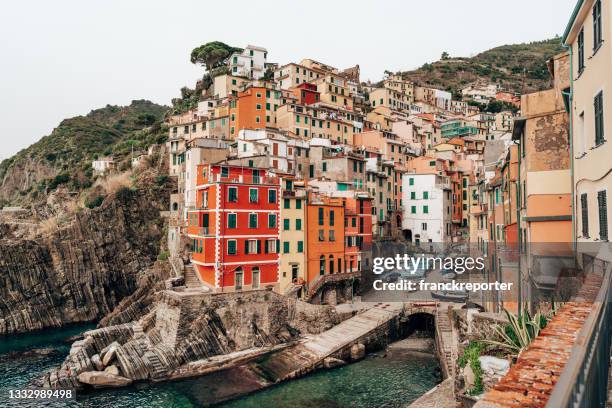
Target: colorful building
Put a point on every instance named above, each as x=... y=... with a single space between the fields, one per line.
x=235 y=228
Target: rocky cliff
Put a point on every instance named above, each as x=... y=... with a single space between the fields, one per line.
x=183 y=327
x=81 y=271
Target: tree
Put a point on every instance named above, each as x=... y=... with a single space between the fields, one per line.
x=445 y=56
x=212 y=54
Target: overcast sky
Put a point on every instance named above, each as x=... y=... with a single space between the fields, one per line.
x=63 y=58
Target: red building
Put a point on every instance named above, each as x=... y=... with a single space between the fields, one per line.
x=306 y=94
x=235 y=228
x=358 y=233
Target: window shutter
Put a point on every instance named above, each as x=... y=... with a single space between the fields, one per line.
x=585 y=215
x=246 y=247
x=266 y=249
x=603 y=215
x=258 y=246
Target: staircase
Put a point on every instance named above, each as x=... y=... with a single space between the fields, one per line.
x=158 y=369
x=445 y=333
x=191 y=280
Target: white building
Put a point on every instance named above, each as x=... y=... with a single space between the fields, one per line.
x=250 y=63
x=266 y=142
x=426 y=200
x=103 y=165
x=480 y=92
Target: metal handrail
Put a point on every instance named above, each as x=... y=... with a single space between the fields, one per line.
x=576 y=385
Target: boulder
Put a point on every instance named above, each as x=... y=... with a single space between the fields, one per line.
x=331 y=362
x=101 y=379
x=112 y=369
x=357 y=351
x=95 y=359
x=108 y=356
x=469 y=377
x=494 y=366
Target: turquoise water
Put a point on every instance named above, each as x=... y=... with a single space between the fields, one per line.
x=375 y=382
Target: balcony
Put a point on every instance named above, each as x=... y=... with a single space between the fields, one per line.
x=245 y=179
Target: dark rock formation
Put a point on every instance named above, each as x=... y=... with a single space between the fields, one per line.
x=183 y=327
x=80 y=272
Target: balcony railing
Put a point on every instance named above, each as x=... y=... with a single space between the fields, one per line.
x=246 y=179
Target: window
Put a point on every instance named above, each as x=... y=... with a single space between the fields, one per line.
x=271 y=246
x=411 y=181
x=252 y=246
x=253 y=195
x=585 y=215
x=324 y=166
x=253 y=220
x=354 y=221
x=258 y=106
x=300 y=246
x=331 y=218
x=322 y=265
x=425 y=209
x=425 y=195
x=581 y=51
x=286 y=224
x=424 y=226
x=285 y=247
x=298 y=204
x=321 y=235
x=413 y=209
x=231 y=247
x=224 y=172
x=599 y=119
x=232 y=220
x=271 y=220
x=597 y=37
x=232 y=194
x=271 y=196
x=603 y=215
x=298 y=224
x=413 y=195
x=255 y=279
x=321 y=216
x=286 y=203
x=332 y=235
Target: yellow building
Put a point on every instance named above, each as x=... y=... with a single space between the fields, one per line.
x=292 y=238
x=589 y=35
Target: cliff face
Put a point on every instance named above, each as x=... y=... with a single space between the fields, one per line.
x=184 y=327
x=80 y=272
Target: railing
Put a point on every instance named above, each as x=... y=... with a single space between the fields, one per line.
x=584 y=380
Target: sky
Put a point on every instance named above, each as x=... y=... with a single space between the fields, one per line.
x=63 y=58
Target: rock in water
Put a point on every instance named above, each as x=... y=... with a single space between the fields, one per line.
x=331 y=362
x=103 y=379
x=357 y=351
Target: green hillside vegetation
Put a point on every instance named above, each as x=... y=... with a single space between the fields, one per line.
x=68 y=151
x=517 y=67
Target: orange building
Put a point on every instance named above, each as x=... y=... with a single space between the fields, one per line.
x=325 y=236
x=254 y=108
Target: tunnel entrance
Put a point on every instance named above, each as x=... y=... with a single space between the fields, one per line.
x=420 y=325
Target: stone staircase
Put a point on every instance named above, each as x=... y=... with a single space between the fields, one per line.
x=191 y=280
x=445 y=331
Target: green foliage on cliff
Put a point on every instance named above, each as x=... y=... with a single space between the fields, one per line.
x=517 y=67
x=64 y=157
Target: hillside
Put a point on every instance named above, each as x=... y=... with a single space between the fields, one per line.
x=518 y=67
x=64 y=157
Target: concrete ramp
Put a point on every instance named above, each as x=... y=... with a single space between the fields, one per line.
x=310 y=354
